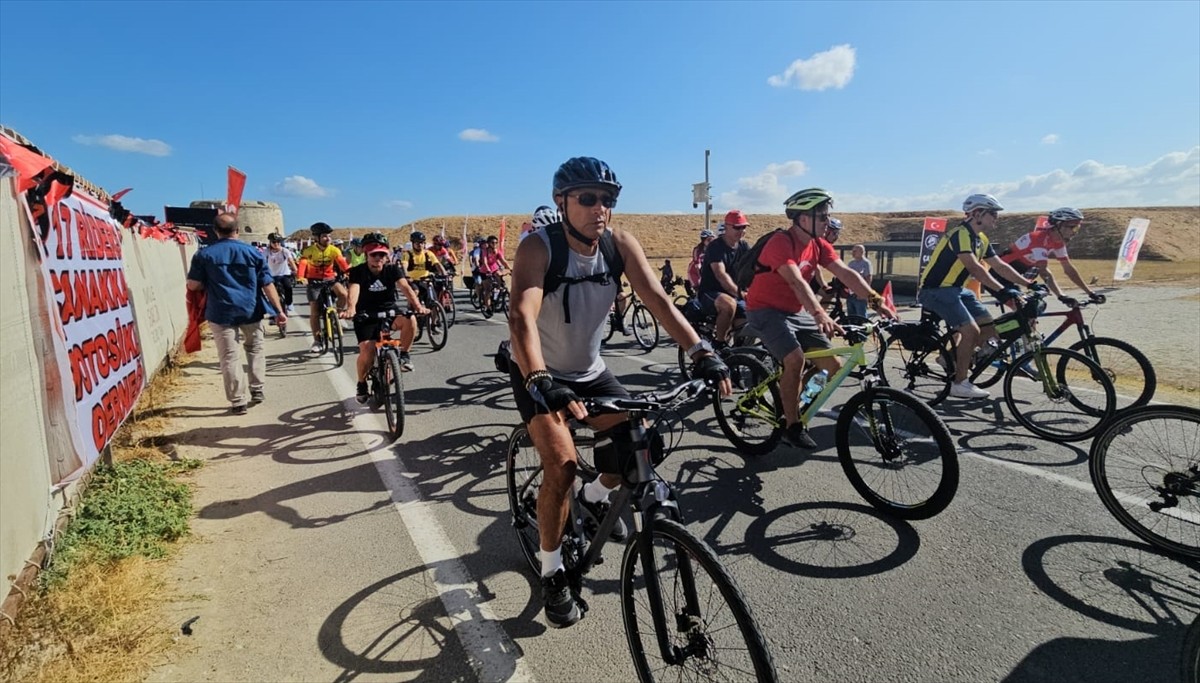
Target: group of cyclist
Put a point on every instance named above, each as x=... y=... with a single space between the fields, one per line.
x=570 y=276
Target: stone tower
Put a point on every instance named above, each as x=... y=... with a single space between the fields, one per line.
x=256 y=219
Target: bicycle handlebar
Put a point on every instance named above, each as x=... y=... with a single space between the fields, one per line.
x=647 y=402
x=381 y=315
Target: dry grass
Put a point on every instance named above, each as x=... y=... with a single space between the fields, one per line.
x=104 y=621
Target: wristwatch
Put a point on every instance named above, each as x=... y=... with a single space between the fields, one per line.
x=701 y=346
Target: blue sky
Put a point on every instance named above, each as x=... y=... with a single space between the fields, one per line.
x=381 y=113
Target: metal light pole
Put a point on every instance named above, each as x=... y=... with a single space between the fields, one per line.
x=707 y=192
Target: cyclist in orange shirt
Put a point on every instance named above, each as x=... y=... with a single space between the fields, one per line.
x=320 y=264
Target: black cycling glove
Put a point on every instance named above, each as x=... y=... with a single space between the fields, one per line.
x=1007 y=294
x=551 y=394
x=710 y=368
x=1069 y=301
x=1097 y=298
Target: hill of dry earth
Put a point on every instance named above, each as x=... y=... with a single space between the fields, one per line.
x=1174 y=233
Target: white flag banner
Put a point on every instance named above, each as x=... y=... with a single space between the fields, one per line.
x=1131 y=244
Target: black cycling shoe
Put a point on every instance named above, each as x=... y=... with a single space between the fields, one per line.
x=797 y=435
x=561 y=608
x=362 y=394
x=593 y=513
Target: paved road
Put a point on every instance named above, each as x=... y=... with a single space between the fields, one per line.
x=327 y=554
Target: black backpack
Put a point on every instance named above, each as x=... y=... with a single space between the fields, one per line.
x=747 y=265
x=556 y=273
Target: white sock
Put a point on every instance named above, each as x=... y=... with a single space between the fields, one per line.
x=595 y=491
x=551 y=561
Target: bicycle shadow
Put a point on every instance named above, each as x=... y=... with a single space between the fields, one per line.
x=1124 y=584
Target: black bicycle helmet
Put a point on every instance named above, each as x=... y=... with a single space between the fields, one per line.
x=585 y=172
x=374 y=238
x=417 y=237
x=319 y=229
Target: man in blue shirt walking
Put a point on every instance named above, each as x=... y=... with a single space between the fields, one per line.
x=232 y=274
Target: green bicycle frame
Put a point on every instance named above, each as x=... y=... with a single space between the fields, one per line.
x=751 y=402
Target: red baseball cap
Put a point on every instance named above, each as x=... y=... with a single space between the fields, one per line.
x=735 y=218
x=375 y=247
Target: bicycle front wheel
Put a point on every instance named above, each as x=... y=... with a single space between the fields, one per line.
x=1146 y=467
x=710 y=629
x=435 y=324
x=393 y=399
x=1126 y=367
x=645 y=328
x=339 y=350
x=897 y=453
x=523 y=475
x=1070 y=405
x=751 y=417
x=926 y=374
x=446 y=299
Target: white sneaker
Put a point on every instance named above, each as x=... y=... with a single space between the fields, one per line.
x=965 y=389
x=315 y=348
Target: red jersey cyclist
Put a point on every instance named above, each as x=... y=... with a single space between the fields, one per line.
x=1033 y=251
x=491 y=266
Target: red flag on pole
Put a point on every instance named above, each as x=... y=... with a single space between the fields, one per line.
x=502 y=230
x=888 y=301
x=236 y=183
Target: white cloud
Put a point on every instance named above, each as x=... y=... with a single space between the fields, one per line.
x=763 y=192
x=400 y=204
x=1171 y=180
x=830 y=69
x=299 y=186
x=986 y=152
x=477 y=135
x=122 y=143
x=1051 y=139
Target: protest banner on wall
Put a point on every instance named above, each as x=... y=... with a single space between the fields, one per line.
x=96 y=344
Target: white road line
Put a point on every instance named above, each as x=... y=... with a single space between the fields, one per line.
x=492 y=653
x=1035 y=471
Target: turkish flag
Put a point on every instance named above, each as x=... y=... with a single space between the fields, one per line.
x=935 y=225
x=1042 y=222
x=233 y=195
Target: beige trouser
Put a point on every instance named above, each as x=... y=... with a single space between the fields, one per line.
x=231 y=370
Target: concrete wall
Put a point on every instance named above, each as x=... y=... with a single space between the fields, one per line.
x=32 y=434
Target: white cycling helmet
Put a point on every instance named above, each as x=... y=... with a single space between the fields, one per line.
x=1066 y=213
x=705 y=234
x=544 y=216
x=981 y=201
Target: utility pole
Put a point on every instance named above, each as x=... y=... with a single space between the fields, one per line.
x=701 y=192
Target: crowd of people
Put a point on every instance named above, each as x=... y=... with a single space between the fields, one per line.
x=572 y=261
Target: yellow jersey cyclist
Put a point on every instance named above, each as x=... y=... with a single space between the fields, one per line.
x=956 y=257
x=356 y=256
x=320 y=263
x=374 y=288
x=420 y=263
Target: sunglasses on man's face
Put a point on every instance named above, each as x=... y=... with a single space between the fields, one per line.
x=378 y=254
x=589 y=199
x=991 y=212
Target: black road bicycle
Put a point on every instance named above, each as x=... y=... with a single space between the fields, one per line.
x=685 y=617
x=644 y=325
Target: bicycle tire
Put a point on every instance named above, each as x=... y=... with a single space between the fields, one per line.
x=336 y=345
x=918 y=372
x=523 y=477
x=645 y=327
x=753 y=425
x=446 y=299
x=613 y=323
x=711 y=625
x=1151 y=455
x=393 y=403
x=993 y=372
x=502 y=303
x=475 y=303
x=1189 y=664
x=1121 y=361
x=1048 y=416
x=435 y=326
x=906 y=438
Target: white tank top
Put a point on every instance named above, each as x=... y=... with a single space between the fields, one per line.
x=572 y=351
x=277 y=262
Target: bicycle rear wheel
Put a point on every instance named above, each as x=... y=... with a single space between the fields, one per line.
x=752 y=416
x=393 y=394
x=446 y=299
x=435 y=325
x=645 y=327
x=1189 y=663
x=611 y=326
x=1146 y=467
x=523 y=475
x=1072 y=407
x=1126 y=367
x=924 y=374
x=710 y=628
x=897 y=453
x=502 y=302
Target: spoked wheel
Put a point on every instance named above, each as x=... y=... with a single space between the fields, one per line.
x=502 y=302
x=446 y=299
x=709 y=627
x=392 y=394
x=1126 y=367
x=435 y=324
x=752 y=416
x=645 y=327
x=1071 y=405
x=611 y=326
x=475 y=299
x=523 y=473
x=897 y=453
x=926 y=374
x=1146 y=467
